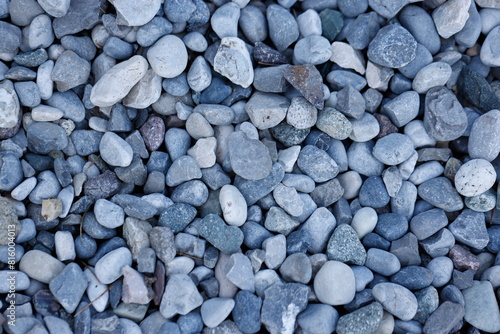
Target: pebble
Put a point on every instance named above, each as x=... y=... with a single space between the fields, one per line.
x=214 y=311
x=485 y=315
x=288 y=199
x=393 y=47
x=364 y=129
x=474 y=87
x=168 y=56
x=346 y=56
x=296 y=268
x=266 y=110
x=393 y=149
x=345 y=246
x=382 y=262
x=301 y=114
x=470 y=229
x=40 y=266
x=283 y=28
x=334 y=123
x=483 y=138
x=373 y=193
x=227 y=239
x=69 y=286
x=312 y=49
x=115 y=151
x=307 y=80
x=334 y=284
x=364 y=221
x=317 y=164
x=108 y=214
x=448 y=24
x=232 y=61
x=309 y=23
x=475 y=177
x=65 y=246
x=364 y=320
x=433 y=75
x=396 y=299
x=110 y=267
x=441 y=193
x=117 y=82
x=277 y=220
x=249 y=158
x=282 y=303
x=181 y=289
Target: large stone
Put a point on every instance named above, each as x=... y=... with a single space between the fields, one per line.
x=481 y=307
x=40 y=266
x=451 y=16
x=69 y=286
x=267 y=110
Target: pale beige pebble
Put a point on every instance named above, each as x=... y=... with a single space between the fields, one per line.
x=204 y=152
x=67 y=125
x=233 y=205
x=51 y=208
x=134 y=289
x=43 y=113
x=40 y=266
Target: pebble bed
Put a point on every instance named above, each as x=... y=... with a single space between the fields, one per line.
x=191 y=166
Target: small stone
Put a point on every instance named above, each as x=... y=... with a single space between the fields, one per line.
x=393 y=149
x=308 y=81
x=253 y=190
x=65 y=245
x=463 y=259
x=233 y=61
x=403 y=108
x=44 y=137
x=475 y=177
x=301 y=114
x=470 y=229
x=267 y=110
x=364 y=320
x=51 y=209
x=40 y=266
x=313 y=50
x=331 y=23
x=317 y=318
x=296 y=268
x=277 y=220
x=317 y=164
x=233 y=204
x=181 y=296
x=214 y=311
x=134 y=289
x=69 y=286
x=393 y=47
x=483 y=138
x=382 y=262
x=110 y=267
x=227 y=239
x=115 y=151
x=70 y=62
x=168 y=56
x=432 y=75
x=436 y=323
x=135 y=13
x=117 y=82
x=396 y=299
x=484 y=315
x=282 y=303
x=344 y=246
x=249 y=157
x=346 y=56
x=474 y=87
x=283 y=28
x=238 y=271
x=420 y=226
x=334 y=283
x=246 y=312
x=448 y=24
x=441 y=193
x=334 y=123
x=373 y=193
x=109 y=214
x=162 y=241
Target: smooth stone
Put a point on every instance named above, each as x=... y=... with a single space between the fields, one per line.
x=317 y=318
x=334 y=284
x=413 y=277
x=441 y=193
x=227 y=239
x=108 y=214
x=109 y=268
x=117 y=82
x=301 y=114
x=70 y=62
x=436 y=323
x=364 y=221
x=483 y=138
x=419 y=23
x=334 y=123
x=145 y=92
x=433 y=75
x=249 y=158
x=475 y=177
x=346 y=56
x=267 y=110
x=373 y=193
x=214 y=311
x=65 y=245
x=364 y=320
x=484 y=315
x=44 y=137
x=115 y=151
x=40 y=266
x=238 y=271
x=296 y=268
x=382 y=262
x=419 y=224
x=283 y=28
x=489 y=51
x=168 y=56
x=476 y=89
x=317 y=164
x=135 y=13
x=313 y=49
x=253 y=190
x=393 y=149
x=396 y=299
x=277 y=220
x=233 y=204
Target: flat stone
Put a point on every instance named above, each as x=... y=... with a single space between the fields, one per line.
x=382 y=262
x=308 y=81
x=253 y=190
x=283 y=28
x=282 y=303
x=483 y=138
x=470 y=229
x=474 y=87
x=436 y=323
x=393 y=47
x=249 y=158
x=44 y=137
x=334 y=123
x=135 y=13
x=441 y=193
x=267 y=110
x=396 y=299
x=364 y=320
x=393 y=149
x=168 y=56
x=227 y=239
x=246 y=312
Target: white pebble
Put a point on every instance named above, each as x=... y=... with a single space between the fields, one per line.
x=65 y=245
x=364 y=221
x=233 y=204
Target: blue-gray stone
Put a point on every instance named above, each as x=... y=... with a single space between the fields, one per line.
x=118 y=49
x=332 y=22
x=253 y=190
x=382 y=262
x=200 y=16
x=217 y=92
x=81 y=15
x=190 y=323
x=227 y=239
x=391 y=226
x=470 y=229
x=282 y=303
x=179 y=10
x=102 y=186
x=11 y=37
x=361 y=160
x=85 y=246
x=283 y=28
x=177 y=86
x=178 y=142
x=445 y=318
x=118 y=119
x=393 y=47
x=182 y=169
x=32 y=58
x=441 y=193
x=427 y=223
x=288 y=135
x=135 y=206
x=317 y=164
x=406 y=249
x=158 y=162
x=69 y=286
x=277 y=220
x=352 y=8
x=70 y=71
x=177 y=216
x=62 y=171
x=246 y=312
x=317 y=318
x=452 y=294
x=254 y=234
x=70 y=104
x=86 y=142
x=364 y=320
x=94 y=229
x=149 y=33
x=105 y=248
x=44 y=137
x=413 y=277
x=344 y=246
x=363 y=30
x=253 y=24
x=373 y=240
x=214 y=177
x=326 y=193
x=11 y=172
x=419 y=23
x=82 y=46
x=373 y=193
x=192 y=192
